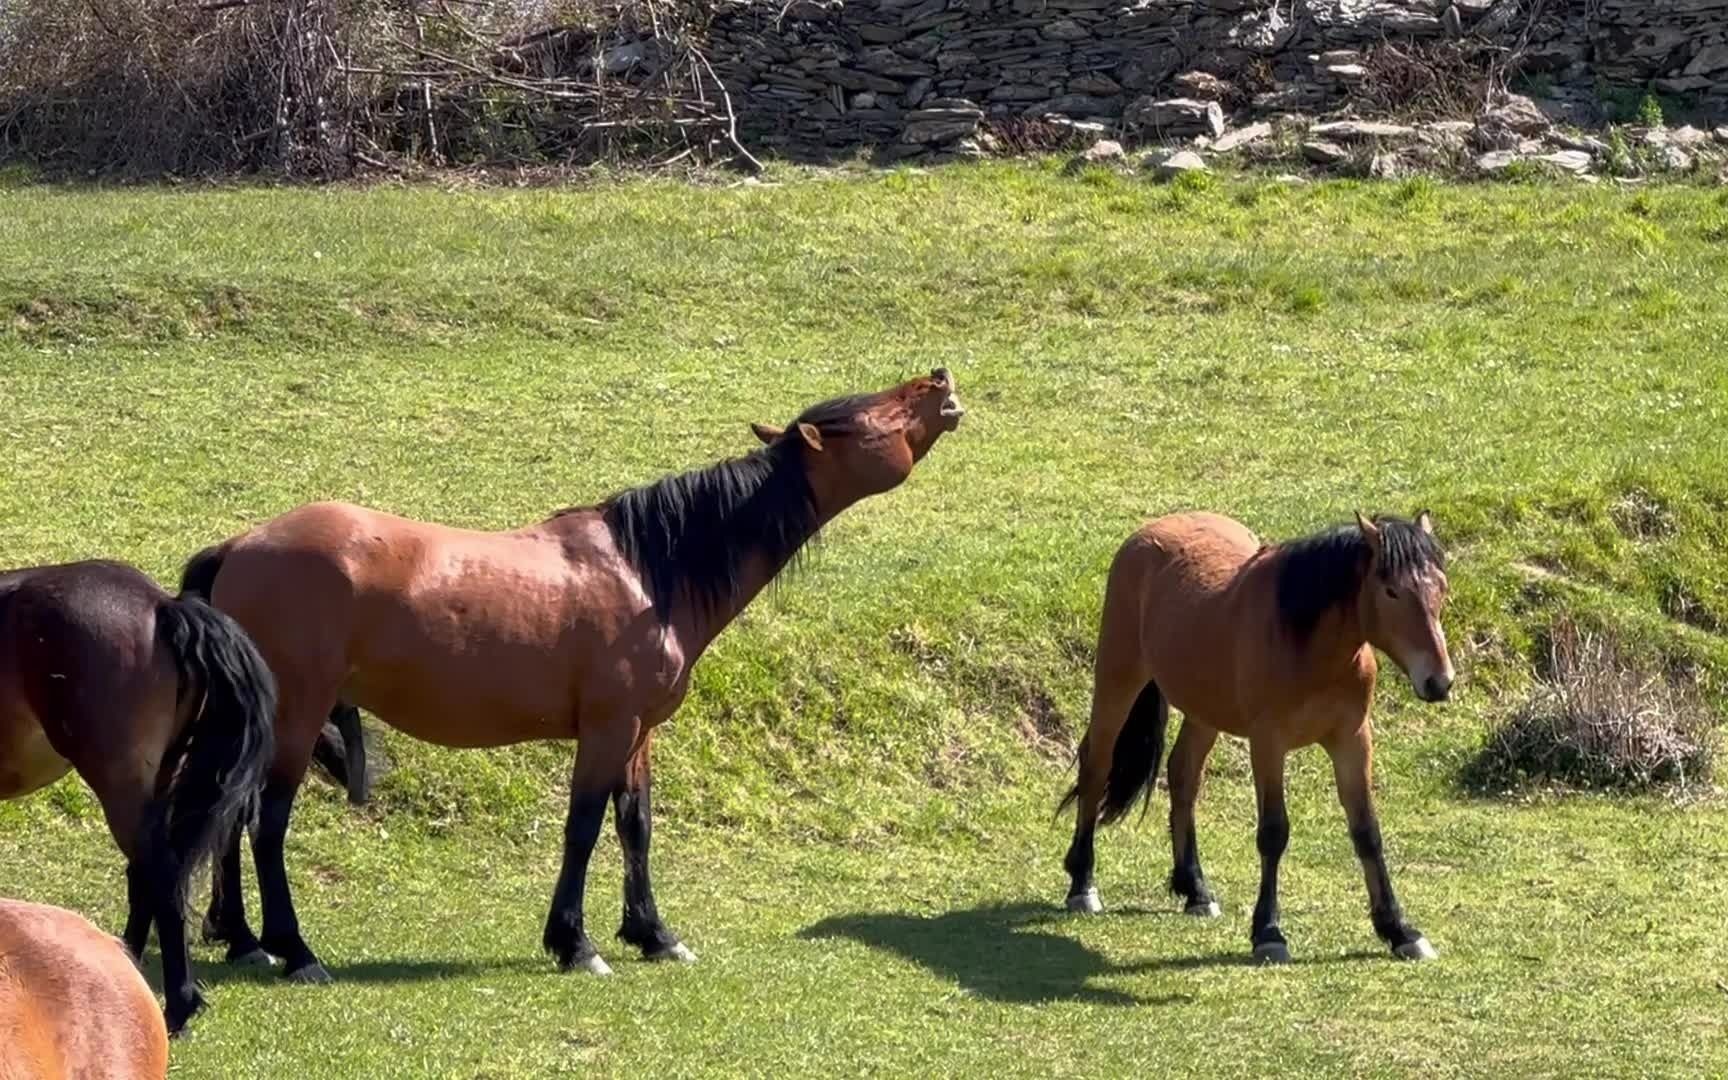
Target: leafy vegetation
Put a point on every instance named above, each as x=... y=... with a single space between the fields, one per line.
x=854 y=806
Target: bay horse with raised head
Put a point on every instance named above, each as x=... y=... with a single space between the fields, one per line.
x=584 y=626
x=1270 y=643
x=72 y=1002
x=162 y=706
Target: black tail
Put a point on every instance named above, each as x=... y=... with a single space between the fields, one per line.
x=216 y=766
x=1134 y=760
x=198 y=577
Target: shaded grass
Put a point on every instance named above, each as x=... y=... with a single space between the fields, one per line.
x=866 y=766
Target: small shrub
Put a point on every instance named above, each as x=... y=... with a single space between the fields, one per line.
x=1597 y=720
x=1650 y=111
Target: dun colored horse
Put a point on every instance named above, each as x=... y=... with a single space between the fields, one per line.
x=72 y=1002
x=585 y=626
x=1273 y=644
x=163 y=707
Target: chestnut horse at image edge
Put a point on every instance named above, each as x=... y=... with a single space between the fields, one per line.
x=1273 y=644
x=162 y=706
x=72 y=1002
x=584 y=626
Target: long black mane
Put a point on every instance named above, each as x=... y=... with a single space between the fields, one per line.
x=1320 y=572
x=690 y=535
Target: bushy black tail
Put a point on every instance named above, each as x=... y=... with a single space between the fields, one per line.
x=215 y=769
x=1135 y=758
x=198 y=577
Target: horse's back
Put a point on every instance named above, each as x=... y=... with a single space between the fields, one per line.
x=72 y=1003
x=1190 y=556
x=1172 y=602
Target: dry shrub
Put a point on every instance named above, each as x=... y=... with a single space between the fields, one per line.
x=317 y=87
x=1428 y=80
x=1598 y=720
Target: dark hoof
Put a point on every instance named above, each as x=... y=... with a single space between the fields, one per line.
x=1086 y=903
x=179 y=1014
x=1417 y=949
x=1203 y=909
x=677 y=952
x=254 y=957
x=1272 y=952
x=312 y=974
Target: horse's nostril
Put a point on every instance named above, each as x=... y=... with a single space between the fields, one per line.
x=1438 y=688
x=940 y=375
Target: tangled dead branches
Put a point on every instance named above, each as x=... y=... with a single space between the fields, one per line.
x=1598 y=720
x=320 y=87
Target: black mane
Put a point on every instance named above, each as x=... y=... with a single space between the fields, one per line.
x=1320 y=572
x=690 y=535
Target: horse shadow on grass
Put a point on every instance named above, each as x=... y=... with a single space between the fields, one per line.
x=999 y=952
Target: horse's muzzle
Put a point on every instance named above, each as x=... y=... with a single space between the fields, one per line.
x=1435 y=688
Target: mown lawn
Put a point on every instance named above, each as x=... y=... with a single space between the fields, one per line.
x=855 y=806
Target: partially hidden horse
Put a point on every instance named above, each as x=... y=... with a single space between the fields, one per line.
x=163 y=707
x=584 y=626
x=1273 y=644
x=72 y=1002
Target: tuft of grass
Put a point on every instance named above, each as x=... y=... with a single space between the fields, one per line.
x=1599 y=720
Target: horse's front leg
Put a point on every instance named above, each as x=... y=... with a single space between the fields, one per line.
x=1271 y=838
x=631 y=815
x=601 y=758
x=1352 y=767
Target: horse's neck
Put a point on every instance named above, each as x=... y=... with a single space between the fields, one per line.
x=1338 y=639
x=698 y=629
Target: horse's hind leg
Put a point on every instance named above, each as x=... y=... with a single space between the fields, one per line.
x=1352 y=767
x=1272 y=836
x=1187 y=773
x=642 y=925
x=140 y=911
x=1114 y=690
x=226 y=920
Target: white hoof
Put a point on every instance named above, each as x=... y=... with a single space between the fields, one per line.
x=1086 y=903
x=678 y=952
x=595 y=965
x=1416 y=950
x=1272 y=952
x=1208 y=910
x=257 y=958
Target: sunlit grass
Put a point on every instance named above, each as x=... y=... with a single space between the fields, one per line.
x=854 y=805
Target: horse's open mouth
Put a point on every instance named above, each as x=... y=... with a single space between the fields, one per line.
x=952 y=409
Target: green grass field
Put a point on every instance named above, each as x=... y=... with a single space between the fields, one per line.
x=854 y=812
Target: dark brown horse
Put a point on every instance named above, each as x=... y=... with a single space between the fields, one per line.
x=164 y=708
x=72 y=1002
x=1273 y=644
x=584 y=626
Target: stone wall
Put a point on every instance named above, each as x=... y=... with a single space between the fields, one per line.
x=817 y=77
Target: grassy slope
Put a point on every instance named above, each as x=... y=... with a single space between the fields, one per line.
x=855 y=801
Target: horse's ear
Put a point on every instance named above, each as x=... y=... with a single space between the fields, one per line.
x=1425 y=522
x=1370 y=532
x=767 y=432
x=812 y=437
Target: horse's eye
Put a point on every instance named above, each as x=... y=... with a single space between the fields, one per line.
x=1391 y=592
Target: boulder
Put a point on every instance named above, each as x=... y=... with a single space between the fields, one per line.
x=1236 y=140
x=1182 y=161
x=1325 y=153
x=1176 y=116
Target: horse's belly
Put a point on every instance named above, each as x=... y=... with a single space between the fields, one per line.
x=459 y=706
x=28 y=762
